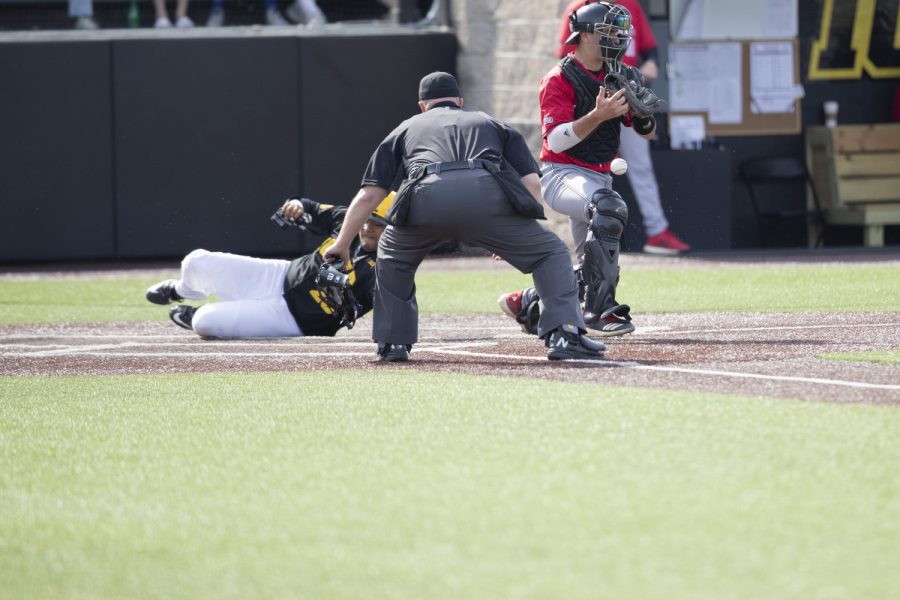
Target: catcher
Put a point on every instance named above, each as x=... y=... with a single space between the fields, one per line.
x=269 y=298
x=584 y=101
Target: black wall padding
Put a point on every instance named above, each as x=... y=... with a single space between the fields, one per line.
x=695 y=188
x=207 y=144
x=149 y=148
x=56 y=172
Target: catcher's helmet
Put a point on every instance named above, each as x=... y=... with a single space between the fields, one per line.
x=379 y=215
x=612 y=20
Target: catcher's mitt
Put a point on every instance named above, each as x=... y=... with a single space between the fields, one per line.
x=333 y=286
x=641 y=99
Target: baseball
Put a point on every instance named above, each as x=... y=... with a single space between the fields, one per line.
x=618 y=166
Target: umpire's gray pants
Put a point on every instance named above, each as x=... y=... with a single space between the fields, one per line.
x=468 y=206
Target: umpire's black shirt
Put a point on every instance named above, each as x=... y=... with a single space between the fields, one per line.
x=446 y=133
x=313 y=316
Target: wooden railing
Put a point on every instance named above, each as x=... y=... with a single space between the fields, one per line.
x=856 y=171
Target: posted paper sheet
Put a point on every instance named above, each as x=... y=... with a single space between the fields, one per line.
x=707 y=78
x=772 y=88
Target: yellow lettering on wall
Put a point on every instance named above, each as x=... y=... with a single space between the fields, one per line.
x=877 y=29
x=855 y=21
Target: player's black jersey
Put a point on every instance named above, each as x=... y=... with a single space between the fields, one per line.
x=312 y=315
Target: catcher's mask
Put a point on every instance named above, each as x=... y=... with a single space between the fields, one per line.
x=610 y=20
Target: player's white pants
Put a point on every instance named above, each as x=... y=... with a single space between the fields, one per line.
x=567 y=189
x=636 y=152
x=249 y=291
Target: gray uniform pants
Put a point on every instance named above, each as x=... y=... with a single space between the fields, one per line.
x=469 y=206
x=567 y=189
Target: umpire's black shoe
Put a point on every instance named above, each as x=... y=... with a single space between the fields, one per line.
x=567 y=343
x=163 y=292
x=393 y=352
x=183 y=316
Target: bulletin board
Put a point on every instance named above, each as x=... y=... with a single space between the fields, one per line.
x=752 y=122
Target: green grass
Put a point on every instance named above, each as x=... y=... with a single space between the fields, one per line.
x=744 y=289
x=76 y=301
x=764 y=289
x=428 y=485
x=886 y=357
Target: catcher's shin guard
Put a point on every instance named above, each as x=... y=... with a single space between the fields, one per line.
x=579 y=279
x=600 y=269
x=530 y=313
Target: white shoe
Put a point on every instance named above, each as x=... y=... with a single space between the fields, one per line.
x=306 y=12
x=163 y=23
x=216 y=18
x=184 y=22
x=273 y=17
x=86 y=22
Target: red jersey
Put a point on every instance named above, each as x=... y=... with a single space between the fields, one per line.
x=557 y=99
x=642 y=40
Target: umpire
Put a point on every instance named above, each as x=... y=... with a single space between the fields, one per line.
x=467 y=177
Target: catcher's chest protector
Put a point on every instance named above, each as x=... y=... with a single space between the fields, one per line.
x=602 y=144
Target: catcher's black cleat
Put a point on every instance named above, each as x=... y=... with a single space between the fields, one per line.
x=183 y=316
x=393 y=352
x=614 y=321
x=163 y=292
x=567 y=343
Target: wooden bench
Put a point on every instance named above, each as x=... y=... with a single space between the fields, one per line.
x=856 y=173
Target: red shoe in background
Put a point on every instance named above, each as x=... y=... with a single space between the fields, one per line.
x=666 y=243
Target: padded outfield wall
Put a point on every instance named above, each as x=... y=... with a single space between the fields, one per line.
x=144 y=144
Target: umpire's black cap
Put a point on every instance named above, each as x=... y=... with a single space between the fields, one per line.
x=438 y=85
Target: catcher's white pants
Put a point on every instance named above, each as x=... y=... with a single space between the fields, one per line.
x=249 y=292
x=636 y=152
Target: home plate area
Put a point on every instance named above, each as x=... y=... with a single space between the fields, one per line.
x=775 y=354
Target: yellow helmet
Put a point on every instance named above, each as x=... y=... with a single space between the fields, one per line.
x=379 y=215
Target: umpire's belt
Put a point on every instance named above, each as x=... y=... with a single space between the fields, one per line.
x=458 y=165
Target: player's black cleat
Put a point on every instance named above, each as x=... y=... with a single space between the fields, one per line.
x=614 y=321
x=595 y=345
x=183 y=316
x=163 y=292
x=567 y=343
x=393 y=352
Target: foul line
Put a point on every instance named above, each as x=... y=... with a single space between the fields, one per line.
x=449 y=351
x=283 y=350
x=599 y=362
x=857 y=384
x=513 y=334
x=666 y=331
x=220 y=354
x=74 y=350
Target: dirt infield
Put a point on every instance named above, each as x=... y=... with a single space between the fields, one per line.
x=775 y=355
x=765 y=355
